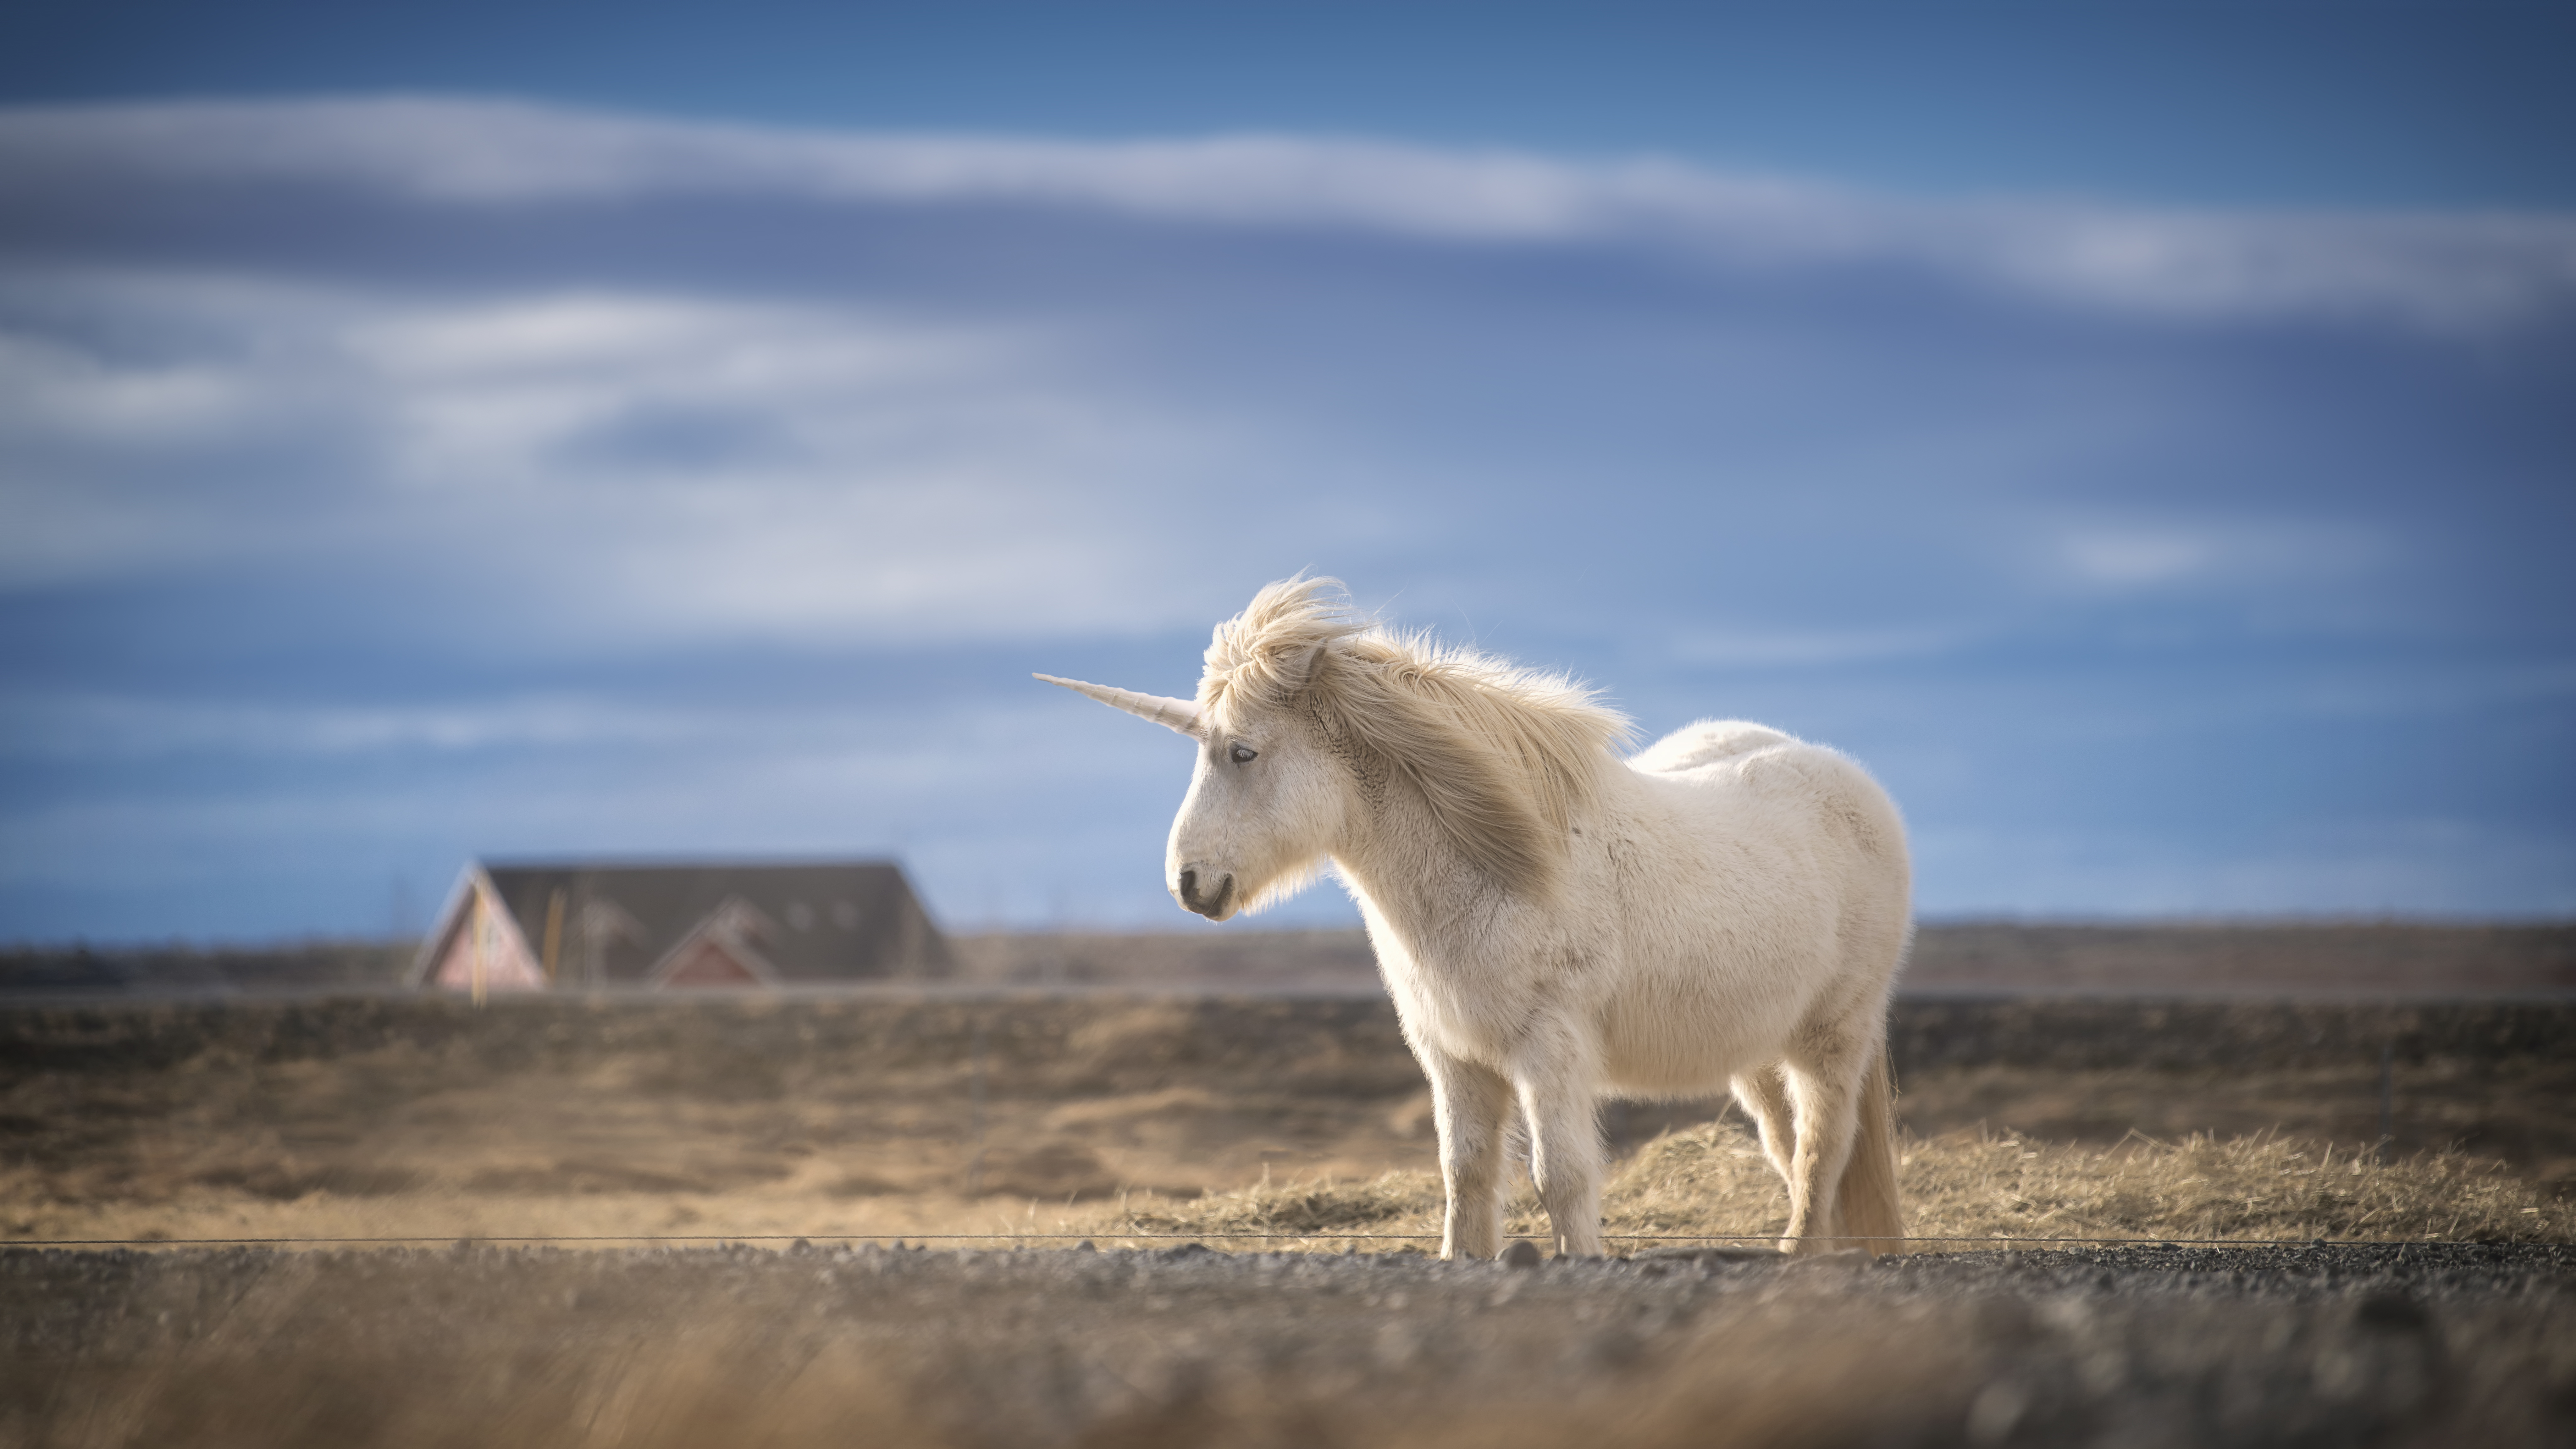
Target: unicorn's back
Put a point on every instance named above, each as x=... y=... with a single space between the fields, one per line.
x=1814 y=783
x=1704 y=743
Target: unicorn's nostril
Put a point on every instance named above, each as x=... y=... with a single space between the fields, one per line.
x=1213 y=901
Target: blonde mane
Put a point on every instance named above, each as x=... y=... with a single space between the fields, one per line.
x=1504 y=756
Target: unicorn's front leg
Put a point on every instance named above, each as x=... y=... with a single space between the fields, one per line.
x=1561 y=1107
x=1468 y=1105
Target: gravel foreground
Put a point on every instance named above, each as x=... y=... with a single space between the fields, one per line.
x=478 y=1345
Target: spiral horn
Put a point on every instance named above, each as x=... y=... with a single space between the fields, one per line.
x=1171 y=714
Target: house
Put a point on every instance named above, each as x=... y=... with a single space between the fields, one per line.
x=535 y=927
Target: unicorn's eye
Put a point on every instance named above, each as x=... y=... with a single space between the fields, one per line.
x=1243 y=755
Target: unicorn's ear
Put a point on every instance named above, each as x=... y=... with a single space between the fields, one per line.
x=1172 y=714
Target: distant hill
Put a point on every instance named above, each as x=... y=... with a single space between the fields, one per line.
x=300 y=966
x=2328 y=958
x=2324 y=959
x=1997 y=956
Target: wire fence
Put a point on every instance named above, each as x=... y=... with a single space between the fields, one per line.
x=901 y=1239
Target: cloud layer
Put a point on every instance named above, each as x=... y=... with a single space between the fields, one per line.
x=2451 y=271
x=393 y=480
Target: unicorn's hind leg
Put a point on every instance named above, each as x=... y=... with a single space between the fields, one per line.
x=1469 y=1105
x=1765 y=1097
x=1824 y=1075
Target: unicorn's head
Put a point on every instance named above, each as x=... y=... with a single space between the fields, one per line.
x=1311 y=724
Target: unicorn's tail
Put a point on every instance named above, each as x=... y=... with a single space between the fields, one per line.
x=1867 y=1197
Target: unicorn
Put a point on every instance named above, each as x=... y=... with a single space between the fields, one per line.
x=1556 y=924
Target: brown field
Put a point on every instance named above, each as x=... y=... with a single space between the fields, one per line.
x=1105 y=1114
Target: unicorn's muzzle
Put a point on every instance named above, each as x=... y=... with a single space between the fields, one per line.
x=1215 y=904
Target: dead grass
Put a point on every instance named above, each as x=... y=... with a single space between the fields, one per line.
x=1296 y=1208
x=1961 y=1191
x=1110 y=1116
x=1710 y=1181
x=2263 y=1187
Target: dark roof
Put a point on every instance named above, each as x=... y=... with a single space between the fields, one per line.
x=821 y=921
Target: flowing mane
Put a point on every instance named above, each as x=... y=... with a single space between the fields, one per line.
x=1504 y=756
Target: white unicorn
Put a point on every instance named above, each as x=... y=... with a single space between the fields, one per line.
x=1554 y=924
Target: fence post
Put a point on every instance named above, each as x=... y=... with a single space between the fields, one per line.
x=2387 y=1097
x=975 y=1164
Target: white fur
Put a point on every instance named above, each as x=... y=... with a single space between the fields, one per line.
x=1728 y=907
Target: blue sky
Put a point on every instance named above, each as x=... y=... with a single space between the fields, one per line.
x=2145 y=442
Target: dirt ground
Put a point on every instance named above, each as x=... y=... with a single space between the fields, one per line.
x=1185 y=1346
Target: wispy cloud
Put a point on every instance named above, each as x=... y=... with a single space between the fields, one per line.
x=2151 y=553
x=2443 y=271
x=622 y=466
x=88 y=727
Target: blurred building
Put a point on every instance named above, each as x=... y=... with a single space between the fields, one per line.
x=534 y=927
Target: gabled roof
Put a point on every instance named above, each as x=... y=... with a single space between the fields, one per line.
x=722 y=950
x=597 y=923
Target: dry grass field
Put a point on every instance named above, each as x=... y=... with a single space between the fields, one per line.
x=1963 y=1191
x=1109 y=1115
